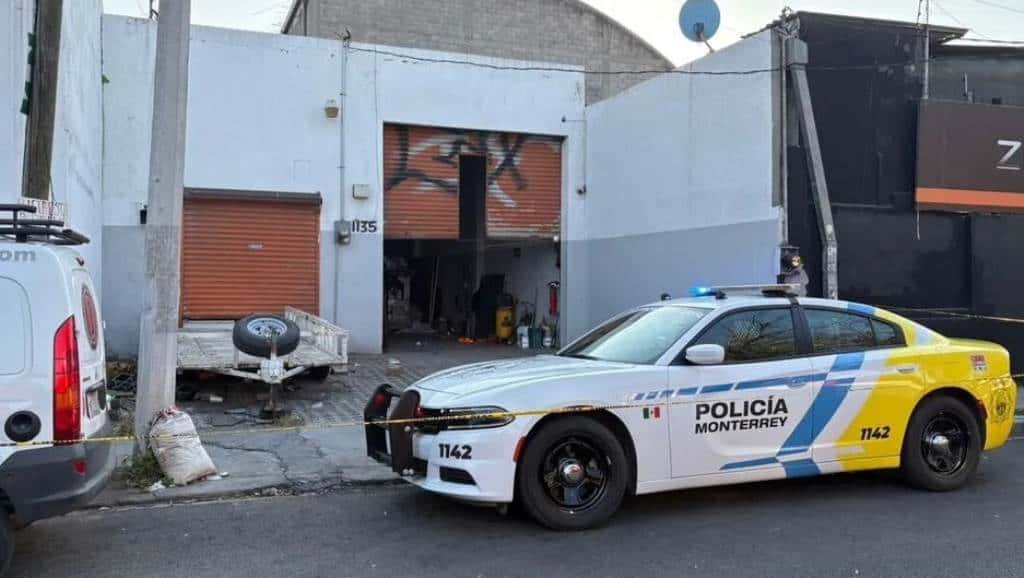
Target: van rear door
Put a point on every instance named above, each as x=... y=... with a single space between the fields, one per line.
x=91 y=355
x=16 y=386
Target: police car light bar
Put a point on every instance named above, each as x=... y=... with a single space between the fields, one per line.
x=720 y=291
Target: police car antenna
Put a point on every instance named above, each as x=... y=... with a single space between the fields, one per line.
x=40 y=230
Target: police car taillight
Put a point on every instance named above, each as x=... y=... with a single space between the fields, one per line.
x=67 y=396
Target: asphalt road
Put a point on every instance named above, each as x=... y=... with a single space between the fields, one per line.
x=845 y=525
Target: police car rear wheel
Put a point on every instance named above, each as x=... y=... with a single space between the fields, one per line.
x=942 y=446
x=573 y=474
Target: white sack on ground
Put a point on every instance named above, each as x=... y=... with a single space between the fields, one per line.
x=176 y=445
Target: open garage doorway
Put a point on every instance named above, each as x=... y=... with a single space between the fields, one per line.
x=471 y=223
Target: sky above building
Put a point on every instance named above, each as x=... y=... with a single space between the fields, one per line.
x=657 y=20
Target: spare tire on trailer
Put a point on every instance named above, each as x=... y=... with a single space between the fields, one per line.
x=253 y=334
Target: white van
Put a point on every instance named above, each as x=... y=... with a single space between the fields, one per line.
x=52 y=373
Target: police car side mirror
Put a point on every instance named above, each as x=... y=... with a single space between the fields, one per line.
x=706 y=354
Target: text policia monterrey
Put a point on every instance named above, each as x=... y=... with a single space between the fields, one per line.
x=741 y=415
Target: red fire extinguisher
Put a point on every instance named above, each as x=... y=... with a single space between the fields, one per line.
x=553 y=288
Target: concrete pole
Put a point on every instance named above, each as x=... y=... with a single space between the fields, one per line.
x=42 y=111
x=158 y=348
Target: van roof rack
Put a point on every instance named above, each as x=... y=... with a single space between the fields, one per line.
x=38 y=230
x=722 y=291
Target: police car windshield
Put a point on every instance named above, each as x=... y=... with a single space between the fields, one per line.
x=640 y=336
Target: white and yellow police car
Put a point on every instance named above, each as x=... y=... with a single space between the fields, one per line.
x=736 y=385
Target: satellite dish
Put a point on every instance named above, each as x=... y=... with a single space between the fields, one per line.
x=699 y=20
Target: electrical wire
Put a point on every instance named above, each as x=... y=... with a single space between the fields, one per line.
x=1000 y=6
x=649 y=71
x=534 y=68
x=957 y=20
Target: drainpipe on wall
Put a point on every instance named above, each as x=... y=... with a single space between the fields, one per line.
x=342 y=193
x=783 y=37
x=797 y=63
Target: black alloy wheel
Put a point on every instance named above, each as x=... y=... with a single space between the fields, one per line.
x=942 y=445
x=573 y=474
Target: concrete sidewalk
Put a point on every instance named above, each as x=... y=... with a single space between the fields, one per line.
x=310 y=456
x=317 y=458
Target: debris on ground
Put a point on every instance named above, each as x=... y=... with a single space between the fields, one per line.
x=317 y=405
x=121 y=375
x=156 y=486
x=394 y=365
x=142 y=471
x=177 y=447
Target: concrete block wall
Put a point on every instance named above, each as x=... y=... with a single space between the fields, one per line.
x=565 y=31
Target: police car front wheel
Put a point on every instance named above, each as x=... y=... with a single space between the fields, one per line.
x=573 y=474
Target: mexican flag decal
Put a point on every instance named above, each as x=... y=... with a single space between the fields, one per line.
x=652 y=412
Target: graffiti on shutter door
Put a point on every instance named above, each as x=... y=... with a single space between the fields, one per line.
x=421 y=182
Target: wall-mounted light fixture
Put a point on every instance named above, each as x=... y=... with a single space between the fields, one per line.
x=331 y=109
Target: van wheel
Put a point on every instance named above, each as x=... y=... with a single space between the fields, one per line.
x=573 y=474
x=6 y=544
x=252 y=335
x=942 y=445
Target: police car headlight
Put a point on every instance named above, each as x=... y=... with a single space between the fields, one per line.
x=476 y=417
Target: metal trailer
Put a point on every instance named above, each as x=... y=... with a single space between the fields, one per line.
x=207 y=346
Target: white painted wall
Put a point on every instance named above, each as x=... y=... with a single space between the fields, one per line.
x=129 y=57
x=76 y=171
x=256 y=122
x=684 y=151
x=255 y=114
x=76 y=168
x=679 y=183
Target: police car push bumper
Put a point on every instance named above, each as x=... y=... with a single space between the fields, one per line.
x=470 y=464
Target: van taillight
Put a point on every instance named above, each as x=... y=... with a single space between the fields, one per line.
x=67 y=396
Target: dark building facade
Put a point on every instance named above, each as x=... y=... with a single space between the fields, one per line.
x=934 y=263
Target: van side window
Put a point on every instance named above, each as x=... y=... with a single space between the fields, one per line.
x=753 y=335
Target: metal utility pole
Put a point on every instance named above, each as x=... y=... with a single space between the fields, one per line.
x=797 y=55
x=927 y=48
x=42 y=99
x=158 y=348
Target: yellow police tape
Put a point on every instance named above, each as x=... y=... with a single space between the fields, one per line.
x=389 y=421
x=959 y=315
